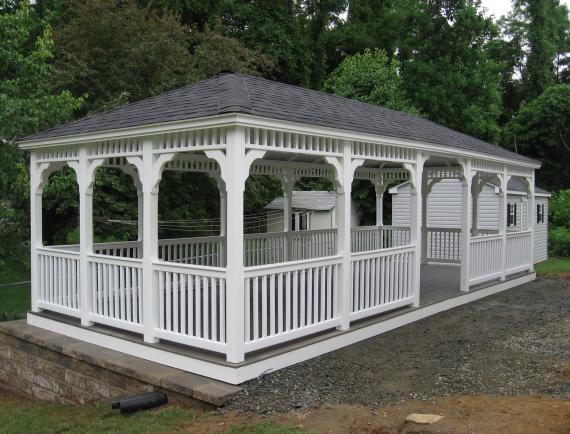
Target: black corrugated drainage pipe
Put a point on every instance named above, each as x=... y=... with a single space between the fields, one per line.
x=129 y=404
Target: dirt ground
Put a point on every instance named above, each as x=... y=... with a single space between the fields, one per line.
x=501 y=364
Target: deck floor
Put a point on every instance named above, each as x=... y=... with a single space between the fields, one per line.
x=439 y=282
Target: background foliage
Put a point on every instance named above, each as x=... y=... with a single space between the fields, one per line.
x=502 y=79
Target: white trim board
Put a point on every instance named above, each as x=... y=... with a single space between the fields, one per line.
x=244 y=372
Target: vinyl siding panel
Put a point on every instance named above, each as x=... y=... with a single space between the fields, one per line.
x=541 y=232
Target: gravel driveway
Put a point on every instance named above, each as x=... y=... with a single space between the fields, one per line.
x=516 y=342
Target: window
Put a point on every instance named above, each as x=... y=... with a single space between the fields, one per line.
x=540 y=217
x=300 y=221
x=511 y=214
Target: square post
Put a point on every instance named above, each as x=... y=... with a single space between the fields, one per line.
x=503 y=222
x=84 y=175
x=465 y=247
x=530 y=219
x=344 y=224
x=287 y=183
x=475 y=190
x=379 y=189
x=234 y=174
x=149 y=241
x=424 y=225
x=223 y=222
x=35 y=229
x=416 y=223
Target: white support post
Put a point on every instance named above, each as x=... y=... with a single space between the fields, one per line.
x=223 y=221
x=424 y=226
x=503 y=178
x=85 y=173
x=379 y=188
x=35 y=229
x=530 y=219
x=140 y=214
x=149 y=240
x=416 y=177
x=465 y=247
x=235 y=172
x=287 y=183
x=475 y=206
x=345 y=171
x=379 y=207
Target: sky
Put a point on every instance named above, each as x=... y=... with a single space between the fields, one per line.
x=502 y=7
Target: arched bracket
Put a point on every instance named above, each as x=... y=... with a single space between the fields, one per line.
x=43 y=171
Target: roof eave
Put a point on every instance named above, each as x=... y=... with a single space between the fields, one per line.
x=240 y=118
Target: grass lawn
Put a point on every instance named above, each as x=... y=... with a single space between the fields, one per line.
x=553 y=267
x=22 y=415
x=14 y=299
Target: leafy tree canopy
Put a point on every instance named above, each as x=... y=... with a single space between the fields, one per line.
x=372 y=78
x=28 y=102
x=541 y=130
x=446 y=70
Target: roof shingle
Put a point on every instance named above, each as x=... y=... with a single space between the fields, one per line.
x=239 y=93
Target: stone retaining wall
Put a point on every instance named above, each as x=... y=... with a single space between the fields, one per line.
x=53 y=367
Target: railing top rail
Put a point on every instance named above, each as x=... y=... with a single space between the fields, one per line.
x=282 y=267
x=117 y=244
x=378 y=253
x=264 y=235
x=202 y=270
x=191 y=239
x=114 y=260
x=486 y=237
x=59 y=252
x=432 y=229
x=519 y=233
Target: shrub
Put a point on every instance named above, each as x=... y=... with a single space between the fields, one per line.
x=559 y=241
x=560 y=209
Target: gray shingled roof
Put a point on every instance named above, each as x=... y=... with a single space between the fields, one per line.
x=238 y=93
x=309 y=200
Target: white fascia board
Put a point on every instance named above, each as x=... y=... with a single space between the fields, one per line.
x=293 y=127
x=259 y=122
x=138 y=131
x=394 y=190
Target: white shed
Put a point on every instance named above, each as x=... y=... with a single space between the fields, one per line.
x=444 y=209
x=311 y=210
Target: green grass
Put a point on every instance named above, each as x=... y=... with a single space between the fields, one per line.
x=21 y=415
x=14 y=299
x=553 y=266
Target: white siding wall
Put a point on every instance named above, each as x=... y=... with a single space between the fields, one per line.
x=444 y=206
x=541 y=232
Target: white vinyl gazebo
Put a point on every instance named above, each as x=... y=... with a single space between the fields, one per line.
x=232 y=306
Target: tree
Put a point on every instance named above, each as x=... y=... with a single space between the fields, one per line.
x=28 y=103
x=541 y=130
x=103 y=45
x=372 y=78
x=447 y=71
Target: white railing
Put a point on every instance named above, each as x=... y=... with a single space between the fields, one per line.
x=443 y=245
x=368 y=238
x=206 y=251
x=381 y=281
x=317 y=243
x=124 y=249
x=264 y=248
x=287 y=301
x=519 y=251
x=191 y=305
x=485 y=262
x=117 y=292
x=59 y=281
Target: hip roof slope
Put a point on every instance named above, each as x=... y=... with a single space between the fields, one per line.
x=239 y=93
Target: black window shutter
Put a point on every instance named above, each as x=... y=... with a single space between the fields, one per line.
x=515 y=214
x=508 y=214
x=538 y=213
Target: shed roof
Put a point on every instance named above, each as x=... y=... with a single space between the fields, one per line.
x=239 y=93
x=309 y=200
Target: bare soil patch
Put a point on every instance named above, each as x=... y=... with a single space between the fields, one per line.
x=462 y=414
x=514 y=343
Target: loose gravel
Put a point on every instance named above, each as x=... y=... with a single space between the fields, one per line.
x=515 y=342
